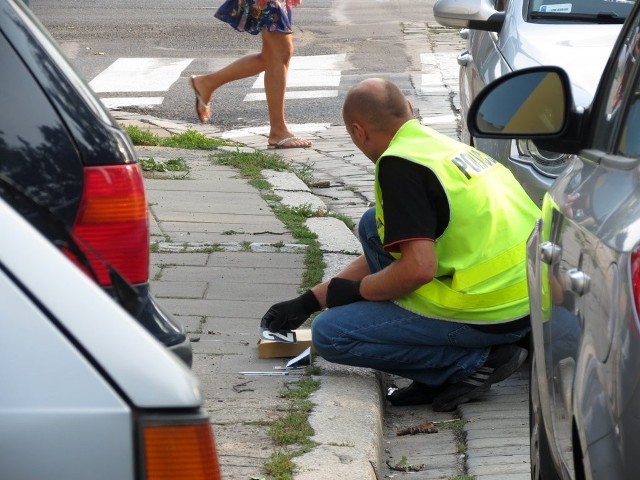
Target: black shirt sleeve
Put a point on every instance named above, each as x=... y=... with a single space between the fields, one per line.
x=413 y=200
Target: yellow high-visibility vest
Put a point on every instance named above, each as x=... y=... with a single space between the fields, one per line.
x=481 y=274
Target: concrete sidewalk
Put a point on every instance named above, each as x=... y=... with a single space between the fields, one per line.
x=221 y=293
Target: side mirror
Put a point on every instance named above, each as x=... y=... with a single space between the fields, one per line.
x=475 y=14
x=530 y=103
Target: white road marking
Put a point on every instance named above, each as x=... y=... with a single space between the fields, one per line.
x=264 y=130
x=140 y=75
x=119 y=102
x=295 y=95
x=127 y=75
x=305 y=72
x=438 y=120
x=312 y=78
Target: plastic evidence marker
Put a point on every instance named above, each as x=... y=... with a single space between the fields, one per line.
x=284 y=336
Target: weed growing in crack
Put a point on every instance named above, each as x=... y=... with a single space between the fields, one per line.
x=292 y=432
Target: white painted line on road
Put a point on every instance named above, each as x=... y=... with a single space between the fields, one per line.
x=264 y=130
x=261 y=97
x=317 y=62
x=312 y=78
x=140 y=75
x=438 y=120
x=119 y=102
x=305 y=72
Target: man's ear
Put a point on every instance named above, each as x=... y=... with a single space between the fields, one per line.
x=410 y=107
x=359 y=132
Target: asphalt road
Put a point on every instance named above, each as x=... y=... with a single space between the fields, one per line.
x=343 y=41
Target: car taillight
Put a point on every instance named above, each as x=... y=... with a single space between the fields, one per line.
x=187 y=452
x=113 y=221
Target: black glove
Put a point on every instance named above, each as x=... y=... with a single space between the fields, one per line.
x=342 y=292
x=290 y=314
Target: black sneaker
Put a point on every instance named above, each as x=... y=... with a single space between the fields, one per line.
x=503 y=361
x=415 y=394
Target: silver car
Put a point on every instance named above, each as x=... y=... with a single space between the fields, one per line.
x=85 y=391
x=507 y=35
x=583 y=263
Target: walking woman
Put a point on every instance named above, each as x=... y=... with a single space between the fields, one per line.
x=272 y=20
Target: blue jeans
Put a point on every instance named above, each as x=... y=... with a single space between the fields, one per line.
x=389 y=338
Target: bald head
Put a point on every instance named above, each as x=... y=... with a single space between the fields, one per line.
x=378 y=104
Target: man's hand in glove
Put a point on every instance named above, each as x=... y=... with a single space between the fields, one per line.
x=342 y=292
x=290 y=314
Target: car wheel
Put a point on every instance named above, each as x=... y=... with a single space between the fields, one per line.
x=542 y=467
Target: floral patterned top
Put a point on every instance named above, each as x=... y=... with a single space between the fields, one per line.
x=252 y=16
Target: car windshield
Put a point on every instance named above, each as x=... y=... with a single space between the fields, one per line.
x=592 y=11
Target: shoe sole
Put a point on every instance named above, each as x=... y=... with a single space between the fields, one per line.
x=500 y=374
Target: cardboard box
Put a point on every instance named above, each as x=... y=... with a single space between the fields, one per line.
x=273 y=349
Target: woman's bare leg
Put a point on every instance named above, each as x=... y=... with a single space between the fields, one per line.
x=205 y=85
x=277 y=51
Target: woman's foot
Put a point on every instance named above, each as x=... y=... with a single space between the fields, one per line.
x=291 y=141
x=203 y=109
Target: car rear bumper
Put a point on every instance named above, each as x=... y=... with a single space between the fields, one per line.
x=160 y=323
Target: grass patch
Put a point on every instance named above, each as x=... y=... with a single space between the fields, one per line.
x=190 y=139
x=292 y=432
x=294 y=219
x=304 y=387
x=292 y=429
x=280 y=466
x=193 y=140
x=172 y=165
x=305 y=173
x=250 y=165
x=346 y=220
x=456 y=425
x=213 y=248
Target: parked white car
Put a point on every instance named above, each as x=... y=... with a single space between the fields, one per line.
x=504 y=36
x=85 y=391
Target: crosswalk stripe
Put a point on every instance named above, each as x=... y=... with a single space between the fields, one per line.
x=128 y=75
x=305 y=72
x=119 y=102
x=293 y=95
x=140 y=75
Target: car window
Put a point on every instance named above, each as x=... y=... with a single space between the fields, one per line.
x=617 y=86
x=629 y=142
x=580 y=7
x=627 y=58
x=36 y=152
